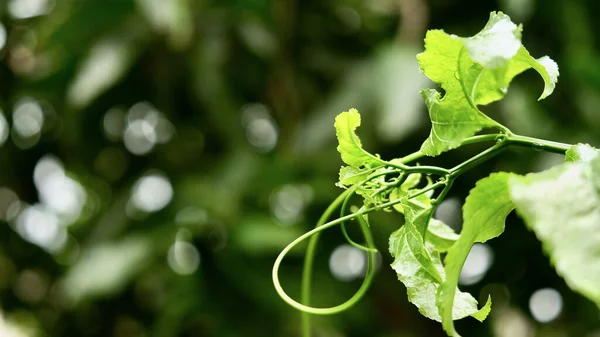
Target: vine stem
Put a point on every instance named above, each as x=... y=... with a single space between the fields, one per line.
x=412 y=157
x=341 y=307
x=368 y=278
x=478 y=159
x=481 y=138
x=471 y=140
x=503 y=143
x=538 y=144
x=309 y=259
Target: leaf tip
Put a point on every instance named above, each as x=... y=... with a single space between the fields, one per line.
x=551 y=69
x=483 y=313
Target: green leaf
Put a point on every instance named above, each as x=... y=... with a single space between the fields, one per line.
x=440 y=235
x=350 y=146
x=581 y=152
x=562 y=207
x=424 y=257
x=419 y=268
x=453 y=120
x=483 y=313
x=493 y=84
x=496 y=43
x=350 y=175
x=422 y=201
x=546 y=67
x=473 y=71
x=418 y=264
x=484 y=213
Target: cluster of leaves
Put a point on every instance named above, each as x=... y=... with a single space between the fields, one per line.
x=561 y=205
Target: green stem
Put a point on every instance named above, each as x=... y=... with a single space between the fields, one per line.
x=412 y=157
x=510 y=139
x=426 y=189
x=343 y=225
x=309 y=258
x=419 y=169
x=369 y=277
x=319 y=311
x=481 y=138
x=436 y=202
x=428 y=169
x=445 y=191
x=538 y=144
x=477 y=159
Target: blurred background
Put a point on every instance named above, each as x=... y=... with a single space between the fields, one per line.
x=156 y=155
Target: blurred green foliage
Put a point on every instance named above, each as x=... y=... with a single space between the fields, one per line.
x=155 y=156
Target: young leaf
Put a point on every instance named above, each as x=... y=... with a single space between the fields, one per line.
x=350 y=146
x=350 y=175
x=562 y=207
x=367 y=183
x=473 y=71
x=484 y=213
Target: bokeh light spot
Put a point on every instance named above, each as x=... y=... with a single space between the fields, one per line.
x=4 y=129
x=512 y=323
x=478 y=262
x=164 y=130
x=46 y=166
x=40 y=226
x=152 y=193
x=183 y=258
x=449 y=212
x=288 y=203
x=261 y=130
x=24 y=9
x=60 y=193
x=146 y=127
x=139 y=137
x=8 y=200
x=28 y=118
x=262 y=134
x=545 y=305
x=113 y=124
x=347 y=262
x=8 y=328
x=3 y=36
x=31 y=286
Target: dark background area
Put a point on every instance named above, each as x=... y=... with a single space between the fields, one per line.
x=155 y=157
